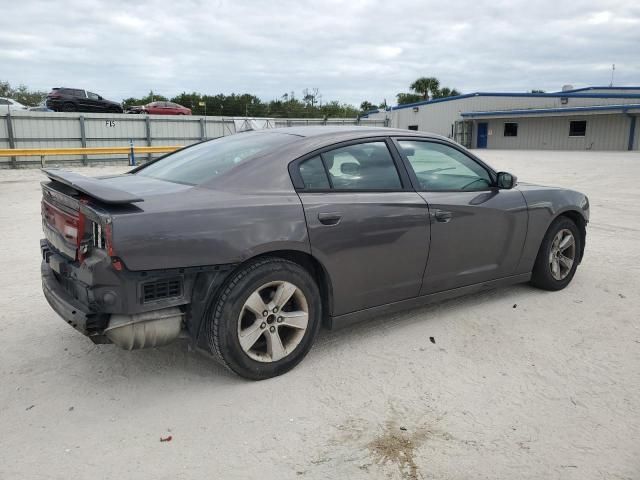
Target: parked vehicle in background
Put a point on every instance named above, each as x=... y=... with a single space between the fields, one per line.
x=248 y=243
x=10 y=104
x=166 y=108
x=134 y=109
x=78 y=100
x=41 y=107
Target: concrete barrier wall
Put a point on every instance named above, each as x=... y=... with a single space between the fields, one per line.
x=23 y=129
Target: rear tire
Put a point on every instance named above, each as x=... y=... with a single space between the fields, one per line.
x=558 y=256
x=265 y=319
x=68 y=107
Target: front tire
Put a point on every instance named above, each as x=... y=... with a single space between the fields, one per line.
x=558 y=256
x=265 y=319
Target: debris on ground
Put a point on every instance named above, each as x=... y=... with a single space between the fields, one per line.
x=433 y=340
x=29 y=407
x=166 y=439
x=515 y=305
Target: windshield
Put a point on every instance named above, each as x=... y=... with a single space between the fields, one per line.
x=202 y=162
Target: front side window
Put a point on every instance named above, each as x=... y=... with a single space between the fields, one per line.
x=203 y=162
x=440 y=167
x=510 y=129
x=364 y=166
x=93 y=96
x=578 y=128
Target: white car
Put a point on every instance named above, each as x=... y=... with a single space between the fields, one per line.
x=9 y=104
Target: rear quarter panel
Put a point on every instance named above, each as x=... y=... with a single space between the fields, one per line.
x=208 y=227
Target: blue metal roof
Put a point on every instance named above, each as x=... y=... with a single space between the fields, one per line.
x=583 y=89
x=538 y=95
x=542 y=111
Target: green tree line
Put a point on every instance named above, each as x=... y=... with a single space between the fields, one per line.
x=247 y=104
x=308 y=105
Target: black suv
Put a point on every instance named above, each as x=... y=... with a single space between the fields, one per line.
x=77 y=100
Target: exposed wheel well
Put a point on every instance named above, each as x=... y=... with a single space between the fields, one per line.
x=317 y=271
x=579 y=220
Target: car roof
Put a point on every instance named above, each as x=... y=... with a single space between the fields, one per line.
x=355 y=131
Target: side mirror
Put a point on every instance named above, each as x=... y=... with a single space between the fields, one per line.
x=506 y=180
x=349 y=168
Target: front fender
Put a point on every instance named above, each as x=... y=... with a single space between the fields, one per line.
x=544 y=205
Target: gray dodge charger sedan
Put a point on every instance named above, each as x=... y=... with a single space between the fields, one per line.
x=247 y=244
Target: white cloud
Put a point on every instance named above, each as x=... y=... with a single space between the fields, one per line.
x=350 y=50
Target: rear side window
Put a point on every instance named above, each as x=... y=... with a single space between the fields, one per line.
x=364 y=166
x=313 y=174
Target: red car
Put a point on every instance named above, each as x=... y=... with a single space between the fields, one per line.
x=166 y=108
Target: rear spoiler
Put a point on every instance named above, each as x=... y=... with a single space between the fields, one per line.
x=91 y=186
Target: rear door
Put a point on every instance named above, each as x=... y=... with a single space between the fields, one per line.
x=477 y=229
x=367 y=226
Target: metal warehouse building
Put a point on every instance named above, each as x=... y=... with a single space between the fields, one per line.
x=591 y=118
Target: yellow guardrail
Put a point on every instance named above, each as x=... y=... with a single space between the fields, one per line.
x=45 y=152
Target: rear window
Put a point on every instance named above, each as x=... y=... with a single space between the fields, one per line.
x=203 y=162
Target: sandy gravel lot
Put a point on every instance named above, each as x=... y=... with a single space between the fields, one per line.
x=520 y=383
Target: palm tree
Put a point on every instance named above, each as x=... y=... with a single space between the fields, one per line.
x=425 y=86
x=447 y=92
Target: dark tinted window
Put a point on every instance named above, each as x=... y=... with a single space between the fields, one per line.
x=510 y=129
x=365 y=166
x=93 y=96
x=202 y=162
x=440 y=167
x=578 y=128
x=313 y=174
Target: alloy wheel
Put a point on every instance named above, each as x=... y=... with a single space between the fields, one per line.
x=273 y=321
x=562 y=254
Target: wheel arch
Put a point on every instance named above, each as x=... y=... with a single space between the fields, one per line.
x=315 y=268
x=578 y=218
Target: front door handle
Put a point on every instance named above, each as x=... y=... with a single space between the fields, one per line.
x=330 y=218
x=443 y=216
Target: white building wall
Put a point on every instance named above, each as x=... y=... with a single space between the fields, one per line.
x=604 y=132
x=440 y=116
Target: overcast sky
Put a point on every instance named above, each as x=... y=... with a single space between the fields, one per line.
x=352 y=51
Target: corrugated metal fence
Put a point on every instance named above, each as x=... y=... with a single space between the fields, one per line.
x=59 y=130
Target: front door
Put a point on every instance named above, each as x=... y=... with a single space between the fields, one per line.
x=483 y=129
x=366 y=225
x=477 y=229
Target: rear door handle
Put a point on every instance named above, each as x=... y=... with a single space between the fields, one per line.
x=330 y=218
x=443 y=216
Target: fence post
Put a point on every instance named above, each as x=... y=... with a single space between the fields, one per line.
x=83 y=139
x=12 y=141
x=203 y=129
x=132 y=155
x=147 y=126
